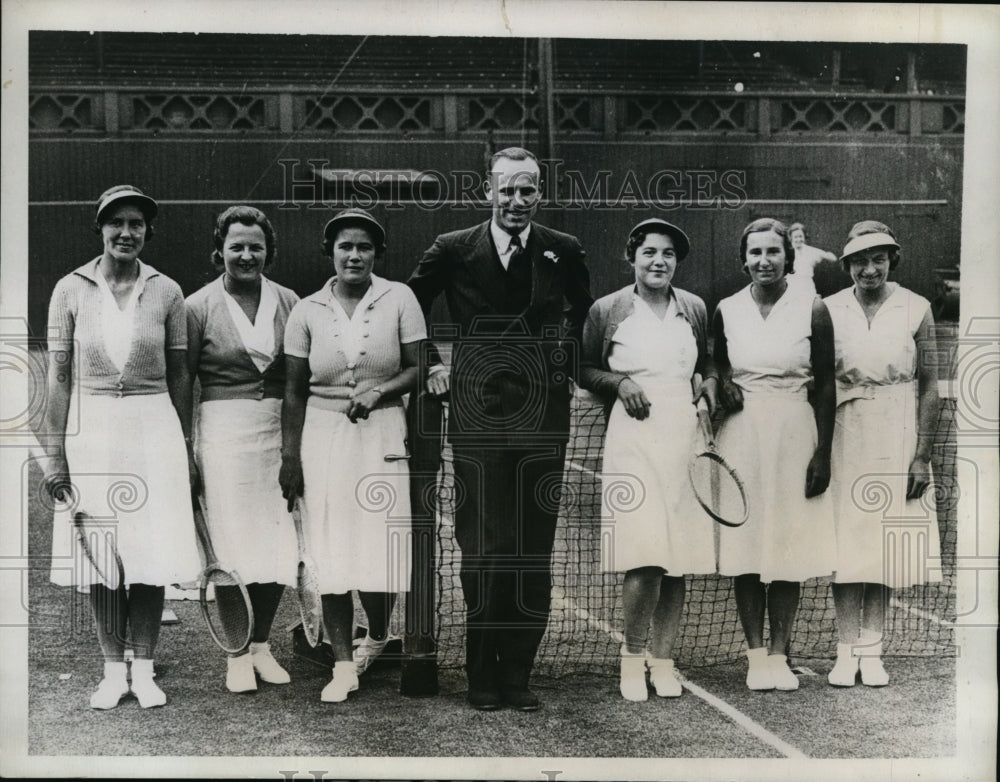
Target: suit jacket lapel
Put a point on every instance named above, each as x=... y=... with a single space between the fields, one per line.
x=485 y=267
x=542 y=272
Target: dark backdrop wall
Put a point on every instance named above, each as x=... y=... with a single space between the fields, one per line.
x=727 y=145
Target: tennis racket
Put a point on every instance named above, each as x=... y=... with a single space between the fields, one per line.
x=96 y=540
x=98 y=546
x=230 y=616
x=717 y=486
x=307 y=584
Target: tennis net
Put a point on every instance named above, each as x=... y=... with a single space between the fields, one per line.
x=584 y=631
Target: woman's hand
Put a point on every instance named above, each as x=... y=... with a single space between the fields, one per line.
x=709 y=391
x=730 y=395
x=817 y=474
x=363 y=404
x=194 y=474
x=634 y=399
x=57 y=482
x=919 y=478
x=290 y=479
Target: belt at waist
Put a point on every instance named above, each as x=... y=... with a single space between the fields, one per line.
x=343 y=405
x=901 y=391
x=775 y=393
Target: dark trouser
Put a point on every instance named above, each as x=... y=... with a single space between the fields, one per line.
x=505 y=521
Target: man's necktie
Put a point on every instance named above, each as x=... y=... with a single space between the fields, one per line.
x=516 y=252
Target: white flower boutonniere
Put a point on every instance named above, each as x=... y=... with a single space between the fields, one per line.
x=551 y=256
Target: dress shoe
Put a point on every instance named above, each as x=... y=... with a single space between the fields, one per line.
x=484 y=700
x=521 y=698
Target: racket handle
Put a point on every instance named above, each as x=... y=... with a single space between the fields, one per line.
x=705 y=421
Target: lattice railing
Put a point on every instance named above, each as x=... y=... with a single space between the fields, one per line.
x=54 y=112
x=837 y=116
x=220 y=113
x=705 y=114
x=470 y=113
x=367 y=113
x=953 y=117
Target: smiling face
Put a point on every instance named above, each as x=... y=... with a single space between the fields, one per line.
x=124 y=234
x=765 y=257
x=798 y=237
x=655 y=262
x=244 y=253
x=870 y=268
x=514 y=189
x=353 y=256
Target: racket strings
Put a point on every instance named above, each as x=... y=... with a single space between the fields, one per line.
x=230 y=615
x=310 y=604
x=717 y=489
x=101 y=552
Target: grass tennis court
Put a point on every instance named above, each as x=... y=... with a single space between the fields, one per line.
x=583 y=714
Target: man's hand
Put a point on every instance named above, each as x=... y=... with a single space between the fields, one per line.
x=439 y=381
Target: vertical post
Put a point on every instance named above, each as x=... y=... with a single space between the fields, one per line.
x=425 y=423
x=546 y=88
x=835 y=70
x=450 y=116
x=112 y=123
x=286 y=112
x=763 y=116
x=911 y=72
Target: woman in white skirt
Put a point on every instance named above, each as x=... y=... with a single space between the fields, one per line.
x=645 y=351
x=774 y=355
x=807 y=258
x=236 y=330
x=887 y=406
x=117 y=359
x=352 y=350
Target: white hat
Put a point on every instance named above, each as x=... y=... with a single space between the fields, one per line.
x=866 y=242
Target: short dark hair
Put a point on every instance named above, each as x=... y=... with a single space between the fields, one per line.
x=249 y=216
x=763 y=225
x=331 y=240
x=638 y=237
x=872 y=227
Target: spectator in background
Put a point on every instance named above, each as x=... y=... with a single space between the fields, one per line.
x=806 y=258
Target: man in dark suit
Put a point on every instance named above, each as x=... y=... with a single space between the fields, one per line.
x=518 y=294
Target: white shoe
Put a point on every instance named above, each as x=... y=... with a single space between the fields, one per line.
x=239 y=674
x=368 y=651
x=112 y=688
x=663 y=675
x=781 y=674
x=143 y=686
x=845 y=670
x=758 y=670
x=632 y=680
x=266 y=666
x=344 y=681
x=869 y=650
